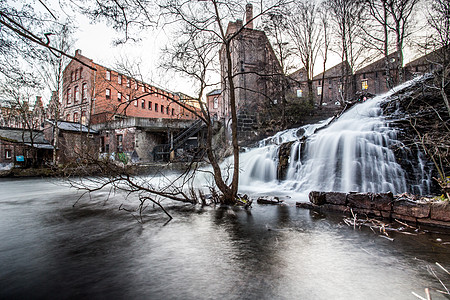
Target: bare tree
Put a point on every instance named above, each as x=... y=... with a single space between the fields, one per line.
x=346 y=17
x=207 y=21
x=203 y=34
x=401 y=12
x=305 y=32
x=377 y=33
x=276 y=25
x=439 y=42
x=22 y=112
x=50 y=70
x=324 y=20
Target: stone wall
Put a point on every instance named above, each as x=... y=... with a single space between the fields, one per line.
x=383 y=205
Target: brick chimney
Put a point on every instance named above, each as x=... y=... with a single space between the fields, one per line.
x=249 y=16
x=77 y=52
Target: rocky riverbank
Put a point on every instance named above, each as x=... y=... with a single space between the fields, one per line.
x=382 y=205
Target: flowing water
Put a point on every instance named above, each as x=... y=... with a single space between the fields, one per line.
x=52 y=250
x=352 y=153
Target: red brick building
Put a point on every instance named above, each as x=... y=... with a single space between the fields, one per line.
x=25 y=148
x=216 y=107
x=257 y=75
x=98 y=94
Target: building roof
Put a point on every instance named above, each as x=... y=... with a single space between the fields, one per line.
x=71 y=126
x=432 y=57
x=380 y=64
x=214 y=92
x=26 y=137
x=333 y=71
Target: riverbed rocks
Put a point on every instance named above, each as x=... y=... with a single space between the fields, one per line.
x=284 y=153
x=402 y=207
x=269 y=200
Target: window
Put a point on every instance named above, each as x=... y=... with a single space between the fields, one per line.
x=75 y=117
x=128 y=82
x=135 y=103
x=69 y=96
x=167 y=110
x=108 y=75
x=68 y=117
x=78 y=74
x=143 y=104
x=102 y=144
x=119 y=79
x=83 y=117
x=84 y=91
x=77 y=95
x=156 y=107
x=108 y=93
x=8 y=153
x=135 y=85
x=128 y=98
x=119 y=96
x=119 y=138
x=173 y=111
x=149 y=105
x=162 y=109
x=143 y=88
x=319 y=90
x=364 y=85
x=299 y=93
x=216 y=102
x=72 y=76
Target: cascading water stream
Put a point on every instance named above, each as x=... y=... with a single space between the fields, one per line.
x=353 y=153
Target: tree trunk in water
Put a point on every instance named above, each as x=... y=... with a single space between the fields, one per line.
x=234 y=137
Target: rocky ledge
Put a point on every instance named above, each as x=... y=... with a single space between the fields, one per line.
x=383 y=205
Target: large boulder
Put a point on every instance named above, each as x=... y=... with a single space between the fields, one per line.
x=412 y=209
x=336 y=198
x=317 y=198
x=440 y=211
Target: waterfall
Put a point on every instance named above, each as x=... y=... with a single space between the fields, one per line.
x=352 y=153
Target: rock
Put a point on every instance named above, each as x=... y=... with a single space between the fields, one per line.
x=379 y=201
x=284 y=153
x=360 y=200
x=431 y=222
x=306 y=205
x=317 y=198
x=336 y=198
x=332 y=207
x=366 y=212
x=383 y=201
x=269 y=200
x=403 y=218
x=440 y=211
x=413 y=209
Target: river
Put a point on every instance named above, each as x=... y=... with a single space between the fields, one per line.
x=50 y=249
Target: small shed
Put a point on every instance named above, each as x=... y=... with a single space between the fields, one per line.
x=24 y=148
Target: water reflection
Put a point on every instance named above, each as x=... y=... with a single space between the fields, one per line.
x=49 y=249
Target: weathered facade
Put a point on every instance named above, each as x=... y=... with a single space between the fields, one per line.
x=23 y=148
x=101 y=95
x=137 y=138
x=216 y=106
x=256 y=72
x=73 y=141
